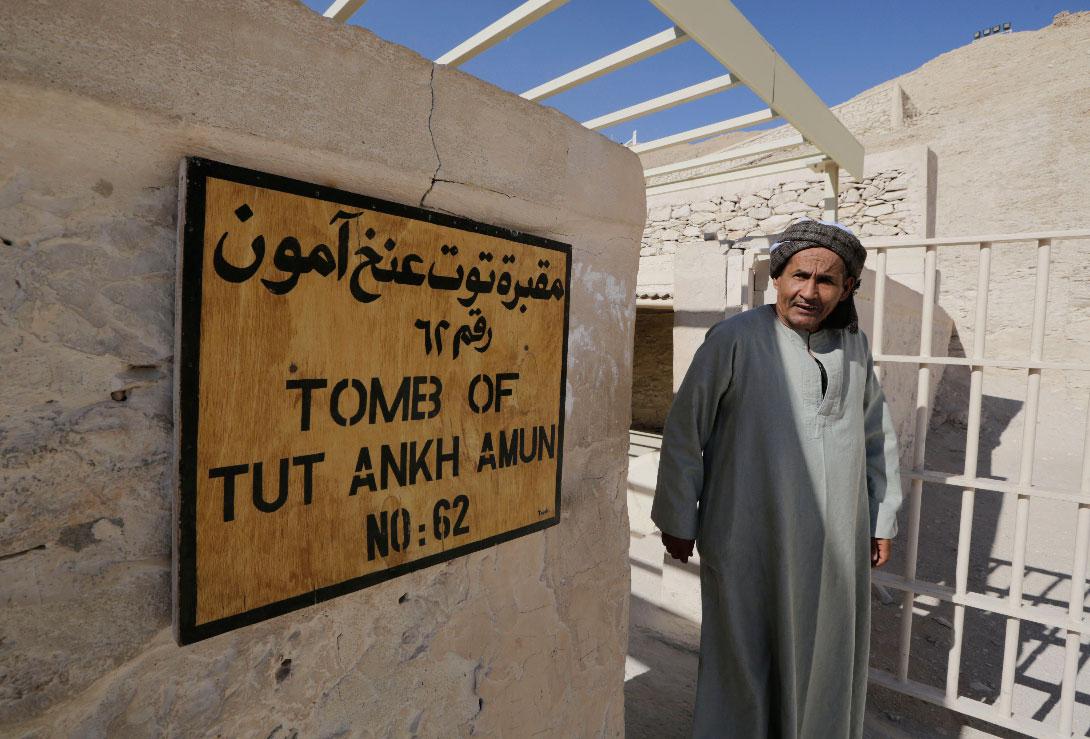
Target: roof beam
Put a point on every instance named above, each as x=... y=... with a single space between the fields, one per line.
x=801 y=161
x=631 y=54
x=669 y=100
x=726 y=155
x=524 y=15
x=732 y=40
x=342 y=10
x=730 y=124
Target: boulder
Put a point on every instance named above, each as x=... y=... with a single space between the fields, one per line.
x=740 y=223
x=704 y=205
x=680 y=211
x=776 y=223
x=797 y=185
x=660 y=213
x=879 y=209
x=782 y=197
x=815 y=196
x=790 y=208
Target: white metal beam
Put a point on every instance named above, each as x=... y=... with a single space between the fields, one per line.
x=662 y=102
x=524 y=15
x=790 y=164
x=726 y=155
x=732 y=40
x=712 y=129
x=342 y=10
x=649 y=46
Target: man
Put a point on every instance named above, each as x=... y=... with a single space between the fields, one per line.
x=779 y=459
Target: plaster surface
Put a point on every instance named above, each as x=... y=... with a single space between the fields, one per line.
x=101 y=102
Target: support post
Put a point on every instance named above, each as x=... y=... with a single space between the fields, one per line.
x=831 y=179
x=700 y=298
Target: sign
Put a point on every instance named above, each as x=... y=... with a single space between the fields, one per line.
x=363 y=389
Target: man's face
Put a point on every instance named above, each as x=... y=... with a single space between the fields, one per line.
x=812 y=283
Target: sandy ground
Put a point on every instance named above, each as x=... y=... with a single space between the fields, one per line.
x=663 y=643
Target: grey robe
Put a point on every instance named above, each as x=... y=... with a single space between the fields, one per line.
x=782 y=489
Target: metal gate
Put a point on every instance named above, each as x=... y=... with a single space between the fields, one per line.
x=1069 y=622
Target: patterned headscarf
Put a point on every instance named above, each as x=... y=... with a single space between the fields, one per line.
x=836 y=237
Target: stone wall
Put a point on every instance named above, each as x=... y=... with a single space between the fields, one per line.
x=877 y=205
x=101 y=103
x=689 y=246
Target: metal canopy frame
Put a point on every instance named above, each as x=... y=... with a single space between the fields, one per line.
x=729 y=38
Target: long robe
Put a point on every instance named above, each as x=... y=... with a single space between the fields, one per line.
x=782 y=488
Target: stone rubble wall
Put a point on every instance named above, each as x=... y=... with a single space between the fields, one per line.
x=101 y=103
x=877 y=205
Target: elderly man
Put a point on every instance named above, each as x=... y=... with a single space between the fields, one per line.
x=779 y=459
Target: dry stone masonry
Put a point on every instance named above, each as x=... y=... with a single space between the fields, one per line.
x=875 y=206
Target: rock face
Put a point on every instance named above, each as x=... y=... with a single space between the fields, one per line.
x=522 y=637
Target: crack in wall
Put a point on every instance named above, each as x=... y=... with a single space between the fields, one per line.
x=431 y=132
x=467 y=184
x=13 y=555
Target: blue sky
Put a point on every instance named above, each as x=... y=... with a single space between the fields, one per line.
x=839 y=48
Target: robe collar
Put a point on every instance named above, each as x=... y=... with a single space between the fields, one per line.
x=818 y=340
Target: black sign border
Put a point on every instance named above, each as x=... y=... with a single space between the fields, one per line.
x=195 y=172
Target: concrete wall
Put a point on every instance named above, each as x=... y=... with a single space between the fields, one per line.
x=100 y=103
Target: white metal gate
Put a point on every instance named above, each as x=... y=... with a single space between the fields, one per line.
x=1070 y=622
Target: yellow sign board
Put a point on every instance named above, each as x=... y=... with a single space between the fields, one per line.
x=363 y=389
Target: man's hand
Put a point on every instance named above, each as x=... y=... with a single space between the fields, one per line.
x=880 y=550
x=678 y=548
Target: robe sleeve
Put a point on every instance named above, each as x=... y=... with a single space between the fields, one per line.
x=688 y=428
x=883 y=465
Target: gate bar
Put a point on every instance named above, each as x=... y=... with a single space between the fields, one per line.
x=1078 y=592
x=923 y=406
x=879 y=327
x=964 y=705
x=1050 y=616
x=1025 y=476
x=985 y=483
x=972 y=449
x=1004 y=363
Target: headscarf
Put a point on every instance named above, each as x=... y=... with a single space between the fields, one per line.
x=835 y=237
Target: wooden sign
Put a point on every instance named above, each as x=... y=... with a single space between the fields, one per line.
x=363 y=389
